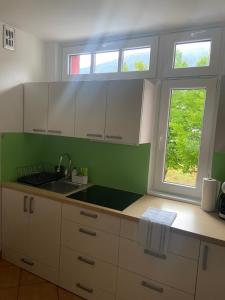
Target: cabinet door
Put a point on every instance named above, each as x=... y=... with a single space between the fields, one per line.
x=15 y=220
x=90 y=110
x=124 y=105
x=61 y=108
x=44 y=231
x=35 y=107
x=211 y=273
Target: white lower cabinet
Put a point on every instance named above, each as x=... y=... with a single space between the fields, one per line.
x=89 y=253
x=211 y=273
x=31 y=232
x=132 y=287
x=84 y=273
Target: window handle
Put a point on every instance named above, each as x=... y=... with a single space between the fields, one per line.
x=38 y=130
x=114 y=137
x=94 y=135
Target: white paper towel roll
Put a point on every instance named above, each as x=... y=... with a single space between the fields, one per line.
x=210 y=188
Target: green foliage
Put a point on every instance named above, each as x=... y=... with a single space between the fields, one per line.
x=140 y=66
x=203 y=61
x=179 y=61
x=125 y=67
x=184 y=134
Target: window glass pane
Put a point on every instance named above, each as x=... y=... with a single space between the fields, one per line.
x=136 y=60
x=184 y=136
x=189 y=55
x=106 y=62
x=80 y=64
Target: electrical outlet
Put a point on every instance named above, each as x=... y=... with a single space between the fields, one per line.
x=8 y=37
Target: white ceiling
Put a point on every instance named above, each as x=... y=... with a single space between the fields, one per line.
x=65 y=20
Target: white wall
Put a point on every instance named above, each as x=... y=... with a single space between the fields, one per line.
x=26 y=63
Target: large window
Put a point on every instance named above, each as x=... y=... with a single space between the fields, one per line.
x=182 y=153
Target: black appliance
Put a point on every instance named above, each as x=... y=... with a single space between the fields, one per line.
x=106 y=197
x=222 y=202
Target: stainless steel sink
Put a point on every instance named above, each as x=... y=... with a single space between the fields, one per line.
x=62 y=187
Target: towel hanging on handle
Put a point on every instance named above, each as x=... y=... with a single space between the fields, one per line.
x=154 y=230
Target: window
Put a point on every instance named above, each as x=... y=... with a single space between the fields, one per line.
x=106 y=62
x=190 y=55
x=121 y=59
x=182 y=153
x=79 y=64
x=136 y=60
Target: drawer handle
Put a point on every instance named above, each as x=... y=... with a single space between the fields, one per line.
x=205 y=257
x=80 y=286
x=115 y=137
x=55 y=131
x=31 y=205
x=29 y=263
x=88 y=232
x=94 y=135
x=152 y=286
x=39 y=130
x=25 y=203
x=85 y=260
x=87 y=214
x=155 y=254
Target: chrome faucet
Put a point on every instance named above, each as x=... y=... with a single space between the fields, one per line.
x=68 y=171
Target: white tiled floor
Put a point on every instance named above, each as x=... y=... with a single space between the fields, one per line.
x=17 y=284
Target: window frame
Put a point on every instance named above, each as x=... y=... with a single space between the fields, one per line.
x=170 y=190
x=168 y=46
x=108 y=46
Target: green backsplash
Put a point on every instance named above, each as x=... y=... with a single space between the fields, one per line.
x=119 y=166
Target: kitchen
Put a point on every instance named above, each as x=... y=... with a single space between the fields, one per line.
x=88 y=185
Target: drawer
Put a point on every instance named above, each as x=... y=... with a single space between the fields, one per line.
x=91 y=218
x=36 y=268
x=179 y=243
x=132 y=287
x=176 y=271
x=78 y=267
x=93 y=242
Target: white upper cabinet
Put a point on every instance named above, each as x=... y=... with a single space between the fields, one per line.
x=11 y=110
x=211 y=273
x=61 y=108
x=35 y=107
x=129 y=111
x=90 y=110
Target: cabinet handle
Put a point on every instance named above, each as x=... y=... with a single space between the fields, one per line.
x=55 y=131
x=25 y=203
x=38 y=130
x=152 y=286
x=155 y=254
x=29 y=263
x=115 y=137
x=85 y=260
x=94 y=135
x=31 y=205
x=84 y=288
x=87 y=214
x=88 y=232
x=205 y=257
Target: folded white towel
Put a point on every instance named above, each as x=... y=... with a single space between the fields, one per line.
x=154 y=230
